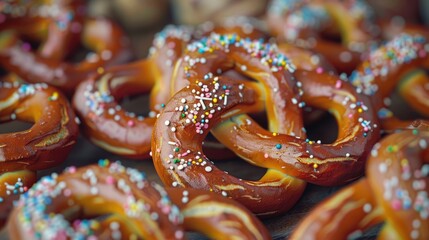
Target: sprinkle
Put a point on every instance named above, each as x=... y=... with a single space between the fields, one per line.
x=278 y=146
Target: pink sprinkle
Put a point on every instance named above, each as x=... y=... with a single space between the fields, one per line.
x=266 y=155
x=338 y=84
x=67 y=192
x=210 y=115
x=319 y=70
x=110 y=180
x=396 y=204
x=422 y=53
x=206 y=126
x=130 y=123
x=92 y=237
x=365 y=129
x=166 y=209
x=171 y=45
x=72 y=169
x=350 y=115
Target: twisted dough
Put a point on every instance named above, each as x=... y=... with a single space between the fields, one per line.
x=105 y=39
x=398 y=64
x=46 y=144
x=395 y=192
x=112 y=201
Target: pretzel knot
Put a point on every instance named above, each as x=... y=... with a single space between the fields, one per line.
x=399 y=64
x=110 y=201
x=394 y=192
x=59 y=27
x=46 y=144
x=210 y=99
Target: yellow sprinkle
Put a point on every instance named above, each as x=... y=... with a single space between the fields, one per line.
x=200 y=160
x=215 y=100
x=315 y=165
x=193 y=162
x=404 y=162
x=195 y=116
x=360 y=110
x=310 y=142
x=274 y=134
x=95 y=225
x=100 y=70
x=54 y=96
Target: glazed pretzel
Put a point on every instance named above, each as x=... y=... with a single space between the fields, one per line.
x=287 y=149
x=45 y=144
x=104 y=38
x=303 y=22
x=397 y=64
x=56 y=23
x=193 y=111
x=134 y=208
x=395 y=192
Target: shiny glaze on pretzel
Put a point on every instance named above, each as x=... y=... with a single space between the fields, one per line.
x=303 y=22
x=311 y=160
x=46 y=144
x=130 y=206
x=52 y=135
x=56 y=23
x=193 y=111
x=397 y=64
x=105 y=39
x=395 y=192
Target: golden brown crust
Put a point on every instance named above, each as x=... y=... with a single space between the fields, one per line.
x=397 y=64
x=112 y=201
x=394 y=192
x=52 y=135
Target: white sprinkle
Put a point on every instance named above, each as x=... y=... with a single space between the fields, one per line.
x=167 y=123
x=208 y=169
x=367 y=207
x=173 y=129
x=382 y=167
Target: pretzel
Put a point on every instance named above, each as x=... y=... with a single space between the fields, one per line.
x=57 y=24
x=132 y=206
x=102 y=36
x=397 y=64
x=303 y=22
x=192 y=112
x=44 y=145
x=395 y=192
